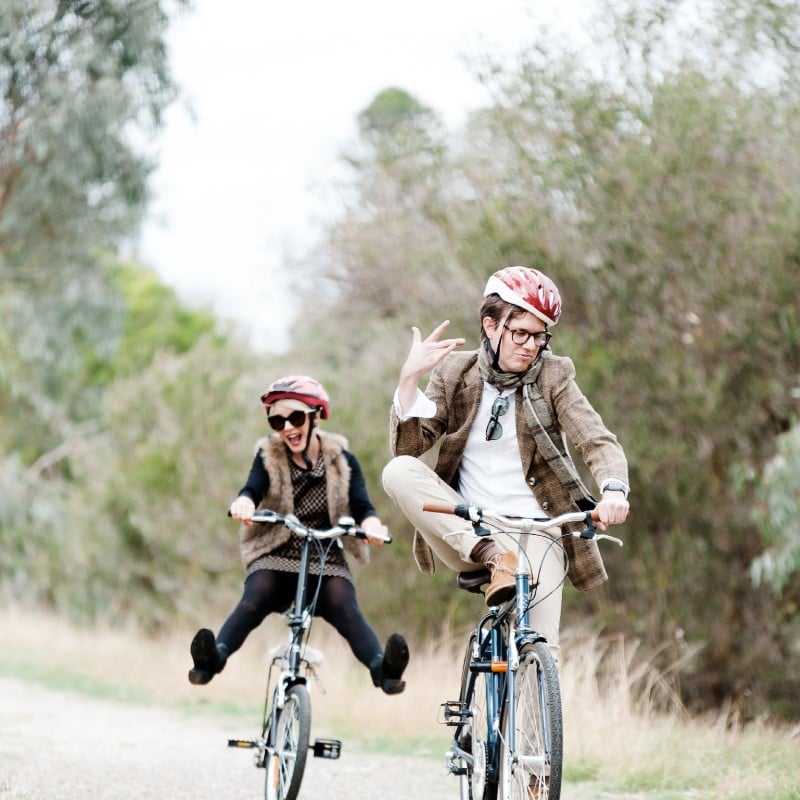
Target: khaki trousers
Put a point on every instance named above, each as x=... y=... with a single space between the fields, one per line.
x=411 y=483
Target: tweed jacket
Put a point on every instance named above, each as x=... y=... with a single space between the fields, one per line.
x=456 y=386
x=261 y=538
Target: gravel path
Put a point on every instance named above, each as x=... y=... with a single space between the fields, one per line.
x=62 y=746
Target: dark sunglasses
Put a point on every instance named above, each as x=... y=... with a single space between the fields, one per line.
x=295 y=419
x=494 y=430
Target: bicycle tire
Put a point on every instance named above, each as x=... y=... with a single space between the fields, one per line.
x=473 y=736
x=534 y=769
x=286 y=759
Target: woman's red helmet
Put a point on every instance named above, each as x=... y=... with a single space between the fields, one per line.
x=527 y=288
x=298 y=387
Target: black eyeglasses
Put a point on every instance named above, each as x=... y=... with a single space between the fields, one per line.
x=295 y=419
x=494 y=430
x=521 y=336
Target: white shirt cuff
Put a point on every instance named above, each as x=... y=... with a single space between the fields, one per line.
x=422 y=407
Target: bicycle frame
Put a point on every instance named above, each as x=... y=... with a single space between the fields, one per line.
x=500 y=637
x=286 y=723
x=493 y=760
x=299 y=616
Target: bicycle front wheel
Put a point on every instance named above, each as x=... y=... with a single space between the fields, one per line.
x=288 y=746
x=532 y=744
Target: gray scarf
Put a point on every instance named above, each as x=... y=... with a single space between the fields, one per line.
x=507 y=380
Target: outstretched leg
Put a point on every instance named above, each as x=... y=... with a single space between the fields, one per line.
x=337 y=605
x=265 y=591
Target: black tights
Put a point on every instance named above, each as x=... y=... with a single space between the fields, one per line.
x=267 y=591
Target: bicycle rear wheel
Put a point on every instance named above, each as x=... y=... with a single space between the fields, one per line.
x=533 y=770
x=474 y=735
x=286 y=757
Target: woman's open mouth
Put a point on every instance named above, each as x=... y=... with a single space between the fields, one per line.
x=294 y=439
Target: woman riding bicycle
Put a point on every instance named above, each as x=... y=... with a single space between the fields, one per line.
x=500 y=412
x=304 y=471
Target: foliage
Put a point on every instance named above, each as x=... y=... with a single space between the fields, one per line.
x=777 y=516
x=155 y=323
x=654 y=176
x=658 y=186
x=390 y=110
x=80 y=85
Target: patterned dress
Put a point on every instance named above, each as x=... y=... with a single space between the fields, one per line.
x=310 y=506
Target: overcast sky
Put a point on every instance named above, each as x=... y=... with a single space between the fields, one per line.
x=274 y=90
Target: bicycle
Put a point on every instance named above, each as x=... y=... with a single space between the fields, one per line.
x=283 y=746
x=508 y=738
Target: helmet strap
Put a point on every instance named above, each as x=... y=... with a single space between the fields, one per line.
x=495 y=354
x=311 y=417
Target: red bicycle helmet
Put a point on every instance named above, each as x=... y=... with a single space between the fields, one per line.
x=298 y=387
x=529 y=289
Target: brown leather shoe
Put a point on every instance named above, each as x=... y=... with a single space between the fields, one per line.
x=501 y=587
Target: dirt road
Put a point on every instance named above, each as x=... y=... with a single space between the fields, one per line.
x=63 y=746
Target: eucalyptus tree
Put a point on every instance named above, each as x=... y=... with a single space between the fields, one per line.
x=83 y=84
x=82 y=87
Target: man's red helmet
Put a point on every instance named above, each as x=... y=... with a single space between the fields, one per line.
x=527 y=288
x=298 y=387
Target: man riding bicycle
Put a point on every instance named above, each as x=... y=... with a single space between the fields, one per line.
x=500 y=412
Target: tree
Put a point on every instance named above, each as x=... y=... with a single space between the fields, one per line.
x=81 y=86
x=658 y=186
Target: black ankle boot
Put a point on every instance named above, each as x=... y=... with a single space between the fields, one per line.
x=387 y=669
x=208 y=656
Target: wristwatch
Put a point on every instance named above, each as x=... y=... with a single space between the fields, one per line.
x=613 y=485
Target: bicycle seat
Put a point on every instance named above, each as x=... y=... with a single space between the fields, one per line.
x=472 y=581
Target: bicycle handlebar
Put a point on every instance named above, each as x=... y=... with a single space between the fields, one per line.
x=346 y=526
x=476 y=515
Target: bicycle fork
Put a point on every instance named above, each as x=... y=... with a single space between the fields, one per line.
x=519 y=634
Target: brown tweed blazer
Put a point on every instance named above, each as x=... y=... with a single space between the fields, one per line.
x=455 y=386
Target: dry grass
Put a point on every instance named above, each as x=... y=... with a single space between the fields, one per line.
x=124 y=663
x=623 y=729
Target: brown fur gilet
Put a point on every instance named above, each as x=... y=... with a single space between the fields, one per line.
x=259 y=539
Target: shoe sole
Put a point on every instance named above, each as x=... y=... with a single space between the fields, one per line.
x=199 y=677
x=203 y=651
x=395 y=658
x=500 y=595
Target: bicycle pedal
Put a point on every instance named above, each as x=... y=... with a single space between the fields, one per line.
x=453 y=713
x=327 y=748
x=243 y=743
x=453 y=768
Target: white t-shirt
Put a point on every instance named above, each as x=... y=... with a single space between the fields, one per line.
x=490 y=474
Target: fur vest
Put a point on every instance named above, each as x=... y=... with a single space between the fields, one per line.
x=259 y=539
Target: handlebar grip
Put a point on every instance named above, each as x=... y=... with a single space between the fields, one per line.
x=439 y=508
